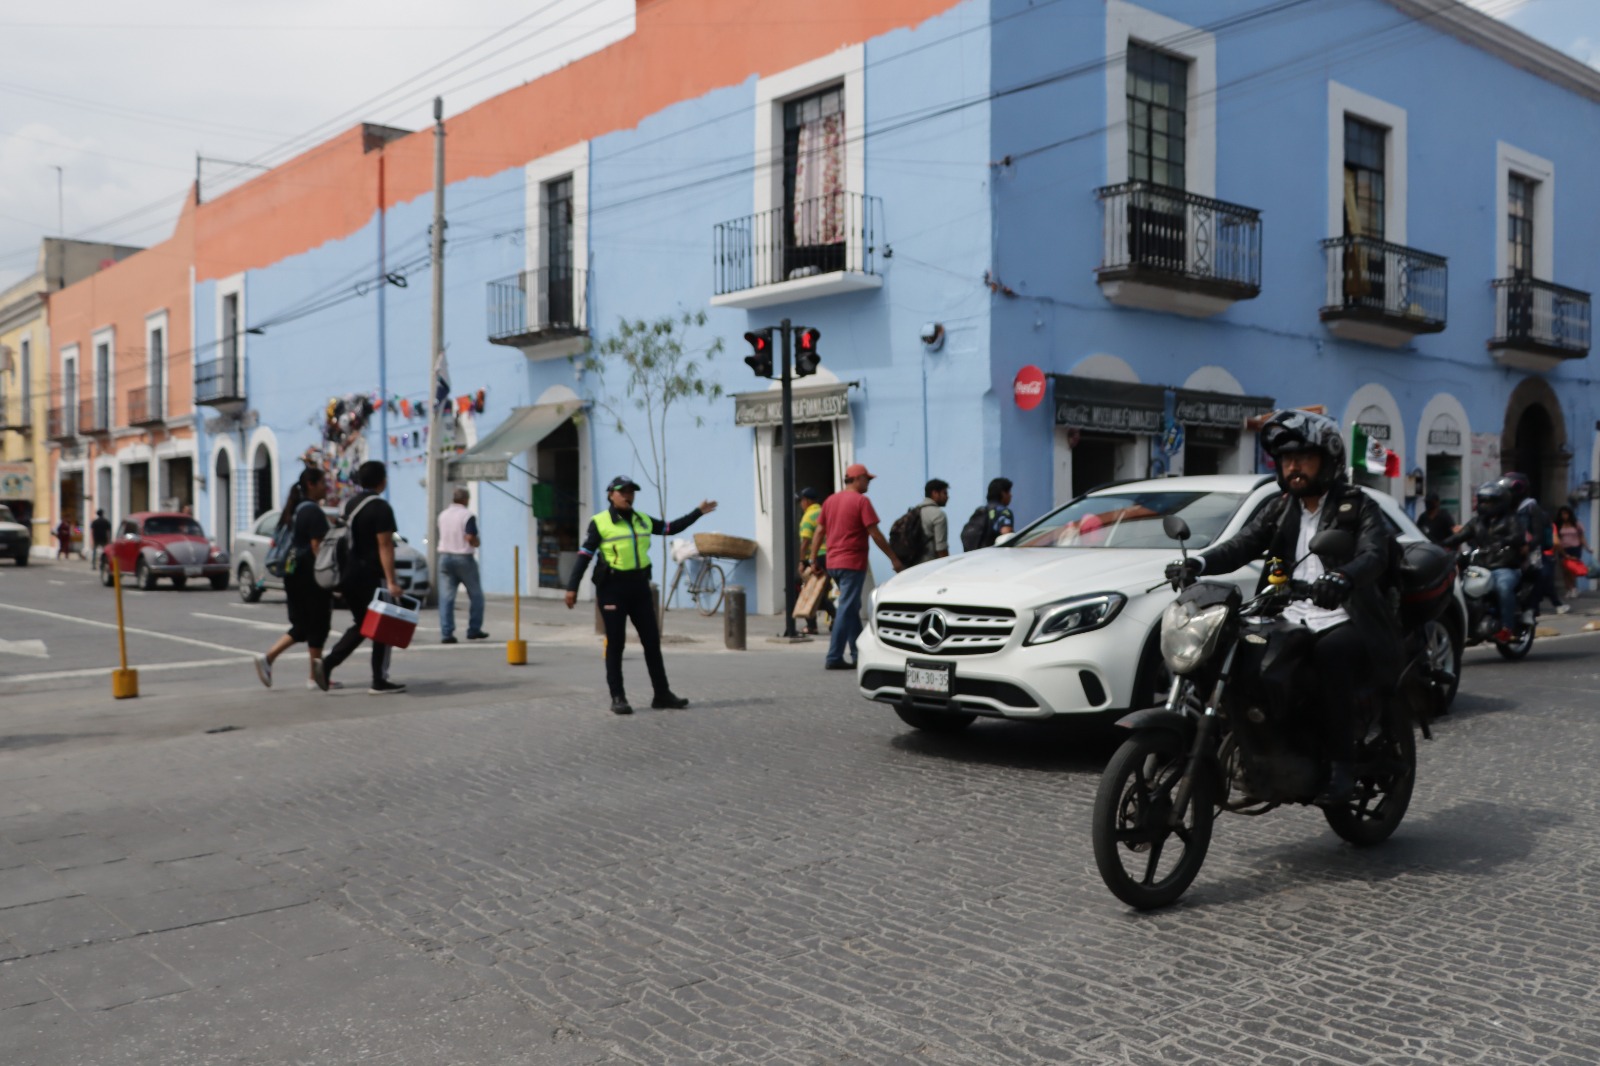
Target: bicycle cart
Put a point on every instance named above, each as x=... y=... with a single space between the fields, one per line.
x=708 y=582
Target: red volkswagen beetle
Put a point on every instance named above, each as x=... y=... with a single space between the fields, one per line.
x=154 y=546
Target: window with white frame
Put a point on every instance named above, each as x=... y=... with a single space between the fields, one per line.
x=559 y=252
x=813 y=182
x=1158 y=100
x=157 y=352
x=1365 y=152
x=25 y=367
x=102 y=383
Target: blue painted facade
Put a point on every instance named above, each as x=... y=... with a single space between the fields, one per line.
x=988 y=130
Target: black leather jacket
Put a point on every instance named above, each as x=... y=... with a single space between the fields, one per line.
x=1502 y=540
x=1274 y=532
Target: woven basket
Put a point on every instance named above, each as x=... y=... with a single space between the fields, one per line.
x=721 y=544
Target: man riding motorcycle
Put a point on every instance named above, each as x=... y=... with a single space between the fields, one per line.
x=1501 y=538
x=1541 y=560
x=1357 y=634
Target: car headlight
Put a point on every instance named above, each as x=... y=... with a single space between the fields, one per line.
x=1189 y=634
x=163 y=558
x=1080 y=614
x=218 y=555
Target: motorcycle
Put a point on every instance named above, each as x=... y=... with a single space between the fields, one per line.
x=1231 y=736
x=1483 y=621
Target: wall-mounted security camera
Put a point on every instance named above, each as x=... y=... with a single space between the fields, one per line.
x=933 y=335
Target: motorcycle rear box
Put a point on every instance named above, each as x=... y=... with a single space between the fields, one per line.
x=1427 y=573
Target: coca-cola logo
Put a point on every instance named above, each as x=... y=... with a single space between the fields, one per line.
x=1028 y=388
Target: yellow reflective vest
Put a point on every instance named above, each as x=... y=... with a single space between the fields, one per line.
x=624 y=545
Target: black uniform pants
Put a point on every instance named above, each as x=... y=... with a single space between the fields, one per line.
x=357 y=595
x=1341 y=661
x=624 y=599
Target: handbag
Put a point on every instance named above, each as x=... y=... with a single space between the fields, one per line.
x=1575 y=567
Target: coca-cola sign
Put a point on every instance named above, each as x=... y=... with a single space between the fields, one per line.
x=1028 y=388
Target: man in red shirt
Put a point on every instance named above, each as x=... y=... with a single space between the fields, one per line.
x=847 y=521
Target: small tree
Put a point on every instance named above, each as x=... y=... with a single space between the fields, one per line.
x=641 y=372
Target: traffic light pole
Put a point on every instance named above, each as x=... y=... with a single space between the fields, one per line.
x=791 y=535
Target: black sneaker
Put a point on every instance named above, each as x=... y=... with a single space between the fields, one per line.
x=479 y=635
x=319 y=674
x=448 y=640
x=385 y=688
x=666 y=701
x=840 y=665
x=619 y=705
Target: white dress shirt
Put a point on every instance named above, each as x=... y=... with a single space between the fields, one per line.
x=1310 y=568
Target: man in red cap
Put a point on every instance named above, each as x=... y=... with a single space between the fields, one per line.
x=847 y=521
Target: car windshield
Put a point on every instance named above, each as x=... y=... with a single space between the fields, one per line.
x=167 y=527
x=1131 y=520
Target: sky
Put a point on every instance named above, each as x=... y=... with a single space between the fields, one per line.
x=122 y=96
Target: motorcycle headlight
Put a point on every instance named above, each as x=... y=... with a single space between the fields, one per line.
x=1080 y=614
x=1189 y=634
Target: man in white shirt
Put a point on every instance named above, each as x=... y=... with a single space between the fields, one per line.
x=458 y=539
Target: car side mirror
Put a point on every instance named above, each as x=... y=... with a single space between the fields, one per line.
x=1175 y=528
x=1333 y=542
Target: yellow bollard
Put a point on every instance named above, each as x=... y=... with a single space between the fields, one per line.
x=516 y=647
x=124 y=682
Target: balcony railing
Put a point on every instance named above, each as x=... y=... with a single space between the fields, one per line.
x=144 y=407
x=217 y=381
x=61 y=423
x=538 y=305
x=1176 y=239
x=1540 y=318
x=1399 y=292
x=21 y=421
x=94 y=416
x=832 y=234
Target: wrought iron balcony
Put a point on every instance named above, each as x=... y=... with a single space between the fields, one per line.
x=217 y=382
x=1170 y=250
x=538 y=306
x=1538 y=325
x=20 y=422
x=802 y=250
x=1383 y=293
x=144 y=407
x=94 y=416
x=61 y=423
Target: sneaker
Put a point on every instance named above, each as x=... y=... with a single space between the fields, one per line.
x=312 y=685
x=385 y=688
x=264 y=670
x=1528 y=617
x=666 y=701
x=1505 y=636
x=448 y=640
x=1563 y=608
x=319 y=675
x=619 y=705
x=479 y=635
x=840 y=665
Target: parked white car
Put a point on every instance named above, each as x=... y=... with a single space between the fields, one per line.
x=250 y=553
x=15 y=540
x=1062 y=618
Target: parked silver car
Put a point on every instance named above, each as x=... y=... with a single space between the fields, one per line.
x=250 y=553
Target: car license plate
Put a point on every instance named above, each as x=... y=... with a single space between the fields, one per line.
x=930 y=679
x=192 y=571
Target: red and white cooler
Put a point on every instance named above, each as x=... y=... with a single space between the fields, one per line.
x=390 y=622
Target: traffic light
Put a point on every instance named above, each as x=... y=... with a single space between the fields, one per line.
x=806 y=356
x=760 y=357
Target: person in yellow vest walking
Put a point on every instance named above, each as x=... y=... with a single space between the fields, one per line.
x=620 y=537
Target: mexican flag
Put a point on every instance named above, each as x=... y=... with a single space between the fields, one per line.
x=1367 y=454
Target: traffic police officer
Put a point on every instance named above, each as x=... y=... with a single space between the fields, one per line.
x=620 y=536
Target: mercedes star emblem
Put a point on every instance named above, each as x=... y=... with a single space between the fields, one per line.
x=932 y=629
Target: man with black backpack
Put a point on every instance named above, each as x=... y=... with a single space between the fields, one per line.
x=922 y=534
x=991 y=521
x=371 y=567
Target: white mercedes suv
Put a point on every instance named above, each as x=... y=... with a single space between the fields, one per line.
x=1062 y=618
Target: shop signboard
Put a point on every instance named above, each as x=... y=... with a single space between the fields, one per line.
x=824 y=404
x=16 y=480
x=1093 y=404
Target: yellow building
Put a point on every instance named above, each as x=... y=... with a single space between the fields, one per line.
x=25 y=377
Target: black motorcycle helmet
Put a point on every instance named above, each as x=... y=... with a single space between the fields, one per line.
x=1494 y=498
x=1305 y=431
x=1517 y=485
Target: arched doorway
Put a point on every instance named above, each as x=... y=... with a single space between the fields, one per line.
x=222 y=497
x=1534 y=440
x=264 y=494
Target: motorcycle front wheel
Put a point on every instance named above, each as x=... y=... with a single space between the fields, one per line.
x=1381 y=797
x=1518 y=648
x=1146 y=857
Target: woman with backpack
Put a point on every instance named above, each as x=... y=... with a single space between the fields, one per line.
x=301 y=528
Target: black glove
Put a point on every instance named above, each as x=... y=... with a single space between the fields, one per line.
x=1330 y=590
x=1180 y=572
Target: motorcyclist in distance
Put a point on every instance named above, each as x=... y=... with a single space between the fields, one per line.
x=1501 y=538
x=1357 y=635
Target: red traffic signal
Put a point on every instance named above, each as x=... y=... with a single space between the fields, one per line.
x=760 y=357
x=806 y=356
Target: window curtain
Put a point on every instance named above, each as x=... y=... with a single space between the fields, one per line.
x=819 y=216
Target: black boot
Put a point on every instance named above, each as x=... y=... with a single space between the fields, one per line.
x=1341 y=786
x=666 y=701
x=619 y=705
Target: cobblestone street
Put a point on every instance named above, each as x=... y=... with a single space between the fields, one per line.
x=779 y=874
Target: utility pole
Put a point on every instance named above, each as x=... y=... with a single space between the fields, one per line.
x=383 y=347
x=791 y=545
x=435 y=468
x=61 y=205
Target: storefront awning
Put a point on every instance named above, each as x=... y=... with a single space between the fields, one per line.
x=1125 y=407
x=490 y=459
x=818 y=403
